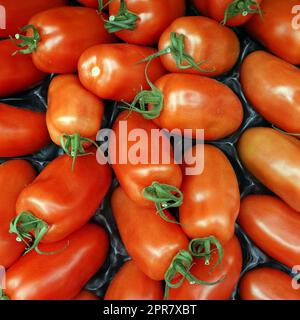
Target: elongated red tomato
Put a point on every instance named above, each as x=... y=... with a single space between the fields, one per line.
x=17 y=72
x=195 y=102
x=267 y=284
x=273 y=226
x=60 y=35
x=230 y=267
x=58 y=276
x=231 y=12
x=62 y=200
x=278 y=30
x=130 y=283
x=86 y=295
x=215 y=47
x=150 y=241
x=273 y=158
x=136 y=169
x=22 y=131
x=15 y=175
x=72 y=109
x=149 y=19
x=112 y=71
x=19 y=12
x=211 y=199
x=273 y=89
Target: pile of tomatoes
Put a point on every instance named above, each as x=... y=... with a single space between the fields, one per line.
x=70 y=221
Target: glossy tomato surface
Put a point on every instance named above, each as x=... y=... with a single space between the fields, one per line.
x=58 y=276
x=130 y=283
x=273 y=158
x=272 y=225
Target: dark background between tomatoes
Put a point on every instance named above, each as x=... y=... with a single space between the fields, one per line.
x=36 y=99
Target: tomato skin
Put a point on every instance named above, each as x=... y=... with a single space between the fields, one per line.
x=267 y=284
x=22 y=131
x=58 y=276
x=273 y=158
x=132 y=177
x=17 y=73
x=91 y=3
x=60 y=47
x=211 y=199
x=231 y=266
x=272 y=89
x=275 y=30
x=14 y=175
x=72 y=109
x=215 y=9
x=151 y=241
x=273 y=226
x=111 y=71
x=51 y=195
x=195 y=102
x=86 y=295
x=130 y=283
x=205 y=39
x=154 y=16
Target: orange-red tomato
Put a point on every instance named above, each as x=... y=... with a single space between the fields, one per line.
x=134 y=175
x=58 y=276
x=15 y=175
x=267 y=284
x=195 y=102
x=112 y=71
x=151 y=241
x=22 y=131
x=230 y=267
x=276 y=29
x=273 y=89
x=17 y=72
x=211 y=199
x=153 y=17
x=273 y=158
x=86 y=295
x=72 y=109
x=130 y=283
x=273 y=226
x=205 y=40
x=216 y=9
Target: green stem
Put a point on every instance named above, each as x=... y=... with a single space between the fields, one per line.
x=243 y=7
x=164 y=196
x=102 y=6
x=286 y=133
x=3 y=296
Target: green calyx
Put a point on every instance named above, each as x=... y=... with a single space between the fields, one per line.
x=3 y=296
x=30 y=42
x=123 y=20
x=164 y=196
x=286 y=133
x=243 y=7
x=72 y=144
x=102 y=6
x=183 y=60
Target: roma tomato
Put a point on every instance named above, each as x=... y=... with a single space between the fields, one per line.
x=272 y=89
x=60 y=201
x=230 y=12
x=15 y=175
x=138 y=170
x=229 y=270
x=273 y=226
x=273 y=158
x=86 y=295
x=58 y=276
x=130 y=283
x=72 y=110
x=146 y=19
x=17 y=72
x=112 y=71
x=19 y=12
x=22 y=131
x=267 y=284
x=57 y=37
x=211 y=199
x=276 y=29
x=208 y=48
